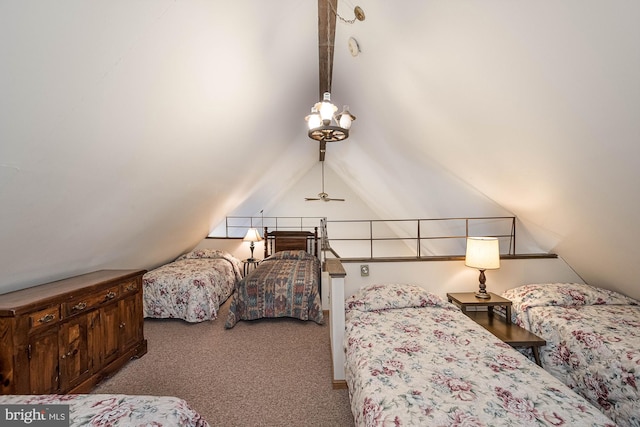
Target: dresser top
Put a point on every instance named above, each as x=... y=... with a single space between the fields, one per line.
x=22 y=300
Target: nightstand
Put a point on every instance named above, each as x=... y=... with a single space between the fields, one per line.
x=499 y=326
x=464 y=300
x=248 y=263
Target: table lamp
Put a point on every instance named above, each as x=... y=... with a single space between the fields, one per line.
x=252 y=236
x=483 y=253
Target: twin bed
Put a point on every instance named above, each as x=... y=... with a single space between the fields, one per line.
x=112 y=410
x=191 y=288
x=414 y=359
x=593 y=342
x=284 y=284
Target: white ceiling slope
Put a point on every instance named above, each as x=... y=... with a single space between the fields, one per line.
x=129 y=130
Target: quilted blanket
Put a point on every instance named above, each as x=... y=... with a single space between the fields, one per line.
x=593 y=342
x=284 y=285
x=116 y=410
x=192 y=287
x=413 y=359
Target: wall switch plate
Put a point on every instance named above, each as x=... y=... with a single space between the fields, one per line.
x=364 y=270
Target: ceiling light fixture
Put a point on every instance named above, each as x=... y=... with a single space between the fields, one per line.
x=325 y=125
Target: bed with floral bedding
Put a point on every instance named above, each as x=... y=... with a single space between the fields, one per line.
x=593 y=342
x=414 y=359
x=115 y=410
x=285 y=284
x=192 y=287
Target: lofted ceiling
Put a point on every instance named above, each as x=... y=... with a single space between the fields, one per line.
x=128 y=130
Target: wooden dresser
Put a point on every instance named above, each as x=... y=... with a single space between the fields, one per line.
x=66 y=336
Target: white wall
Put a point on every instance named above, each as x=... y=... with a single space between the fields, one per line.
x=441 y=277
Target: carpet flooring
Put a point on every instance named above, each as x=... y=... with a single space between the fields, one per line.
x=270 y=372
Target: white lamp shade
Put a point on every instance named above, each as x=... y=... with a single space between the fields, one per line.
x=483 y=253
x=313 y=119
x=252 y=235
x=326 y=108
x=346 y=118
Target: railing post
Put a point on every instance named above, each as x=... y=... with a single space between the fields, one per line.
x=418 y=248
x=513 y=233
x=370 y=239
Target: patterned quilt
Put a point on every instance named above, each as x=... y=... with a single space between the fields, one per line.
x=593 y=342
x=413 y=359
x=192 y=287
x=116 y=410
x=285 y=284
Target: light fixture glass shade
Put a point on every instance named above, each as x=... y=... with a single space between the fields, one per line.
x=326 y=108
x=313 y=120
x=252 y=235
x=345 y=118
x=483 y=253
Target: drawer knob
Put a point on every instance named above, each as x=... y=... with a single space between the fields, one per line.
x=130 y=287
x=110 y=295
x=47 y=318
x=80 y=306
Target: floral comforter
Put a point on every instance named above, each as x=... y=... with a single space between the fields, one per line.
x=593 y=342
x=117 y=410
x=192 y=287
x=414 y=359
x=285 y=284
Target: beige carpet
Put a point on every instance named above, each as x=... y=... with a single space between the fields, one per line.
x=272 y=372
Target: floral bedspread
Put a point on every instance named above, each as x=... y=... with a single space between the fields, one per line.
x=192 y=287
x=414 y=359
x=285 y=284
x=593 y=342
x=117 y=410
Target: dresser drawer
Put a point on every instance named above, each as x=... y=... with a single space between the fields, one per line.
x=87 y=302
x=129 y=286
x=44 y=317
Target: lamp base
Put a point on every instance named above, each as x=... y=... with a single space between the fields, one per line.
x=482 y=293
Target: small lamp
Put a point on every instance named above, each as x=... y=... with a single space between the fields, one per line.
x=483 y=253
x=252 y=236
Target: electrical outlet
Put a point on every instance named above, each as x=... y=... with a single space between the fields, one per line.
x=364 y=270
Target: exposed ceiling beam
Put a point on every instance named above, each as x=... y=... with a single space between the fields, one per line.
x=326 y=41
